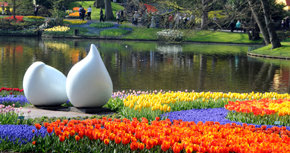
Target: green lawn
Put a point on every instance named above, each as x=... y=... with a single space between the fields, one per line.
x=142 y=33
x=283 y=51
x=215 y=36
x=95 y=12
x=113 y=32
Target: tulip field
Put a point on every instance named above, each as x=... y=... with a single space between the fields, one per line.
x=155 y=121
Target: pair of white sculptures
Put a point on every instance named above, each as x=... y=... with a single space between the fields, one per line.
x=88 y=83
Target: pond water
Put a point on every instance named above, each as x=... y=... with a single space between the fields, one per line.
x=151 y=65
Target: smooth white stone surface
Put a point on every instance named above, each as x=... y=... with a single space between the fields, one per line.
x=44 y=85
x=88 y=82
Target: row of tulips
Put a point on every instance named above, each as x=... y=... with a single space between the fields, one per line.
x=4 y=89
x=17 y=18
x=263 y=111
x=58 y=29
x=154 y=104
x=133 y=135
x=75 y=21
x=261 y=107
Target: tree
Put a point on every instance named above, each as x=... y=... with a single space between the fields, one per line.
x=108 y=10
x=259 y=22
x=269 y=24
x=23 y=7
x=99 y=4
x=265 y=22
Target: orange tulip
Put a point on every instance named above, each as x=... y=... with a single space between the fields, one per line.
x=141 y=146
x=49 y=129
x=61 y=138
x=77 y=138
x=106 y=141
x=134 y=146
x=118 y=139
x=37 y=126
x=165 y=145
x=33 y=142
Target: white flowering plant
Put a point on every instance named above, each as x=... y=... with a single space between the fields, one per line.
x=170 y=35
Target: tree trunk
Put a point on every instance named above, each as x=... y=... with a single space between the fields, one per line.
x=14 y=9
x=99 y=4
x=269 y=24
x=108 y=12
x=204 y=18
x=260 y=24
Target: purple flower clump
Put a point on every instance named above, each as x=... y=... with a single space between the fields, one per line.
x=203 y=115
x=20 y=134
x=14 y=99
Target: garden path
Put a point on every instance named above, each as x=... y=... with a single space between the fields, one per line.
x=37 y=112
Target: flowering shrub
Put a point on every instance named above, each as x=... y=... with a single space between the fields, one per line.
x=133 y=135
x=170 y=35
x=75 y=21
x=58 y=29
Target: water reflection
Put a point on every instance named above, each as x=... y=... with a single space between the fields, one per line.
x=149 y=65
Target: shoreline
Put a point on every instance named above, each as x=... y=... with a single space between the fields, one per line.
x=268 y=56
x=122 y=39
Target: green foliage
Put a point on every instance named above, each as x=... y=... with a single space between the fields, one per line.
x=115 y=104
x=113 y=32
x=24 y=7
x=58 y=13
x=52 y=144
x=18 y=32
x=258 y=119
x=10 y=118
x=102 y=25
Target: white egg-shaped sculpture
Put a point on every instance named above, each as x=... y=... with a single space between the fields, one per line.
x=44 y=85
x=88 y=82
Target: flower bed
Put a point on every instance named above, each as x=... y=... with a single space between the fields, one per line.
x=203 y=129
x=17 y=18
x=264 y=111
x=19 y=134
x=58 y=29
x=170 y=35
x=108 y=135
x=74 y=22
x=154 y=104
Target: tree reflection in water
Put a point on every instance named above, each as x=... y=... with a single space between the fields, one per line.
x=150 y=65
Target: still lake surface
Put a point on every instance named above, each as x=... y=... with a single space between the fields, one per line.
x=151 y=65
